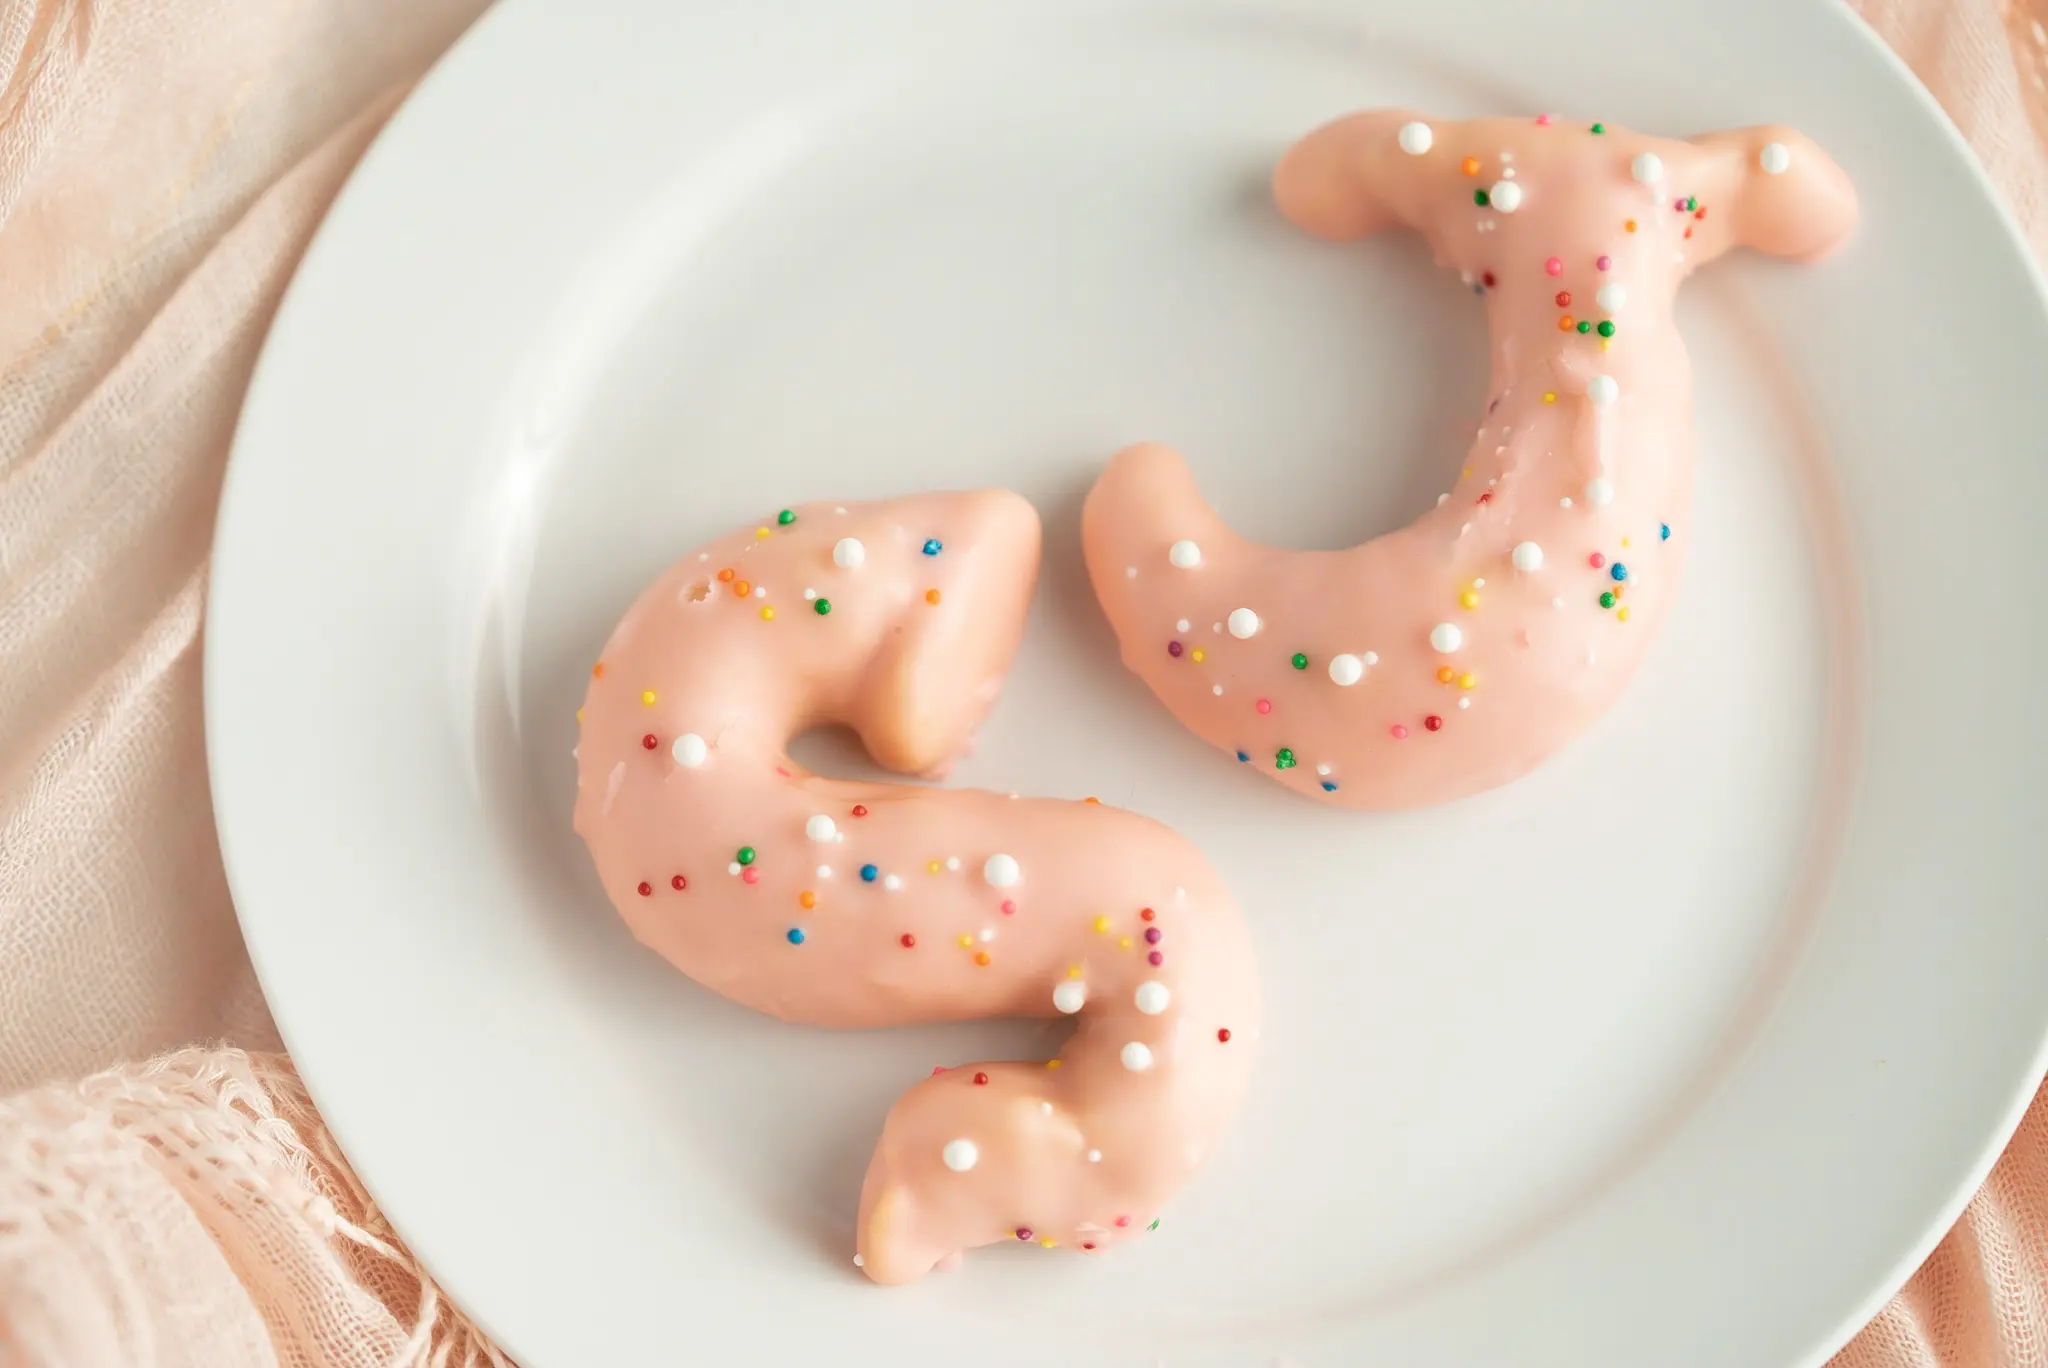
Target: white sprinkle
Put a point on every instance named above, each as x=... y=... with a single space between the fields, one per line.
x=1070 y=996
x=1045 y=1107
x=1528 y=557
x=1137 y=1057
x=988 y=933
x=1244 y=623
x=1445 y=637
x=1774 y=159
x=848 y=553
x=1613 y=296
x=1416 y=138
x=1346 y=670
x=1323 y=770
x=1094 y=1156
x=1372 y=658
x=858 y=1261
x=1558 y=604
x=1464 y=702
x=1565 y=502
x=1591 y=656
x=611 y=786
x=1216 y=689
x=1602 y=389
x=1479 y=583
x=1001 y=871
x=1648 y=168
x=733 y=868
x=1599 y=491
x=1216 y=627
x=760 y=591
x=690 y=750
x=824 y=871
x=1152 y=997
x=1184 y=555
x=1441 y=499
x=1181 y=626
x=1506 y=196
x=952 y=862
x=1130 y=572
x=821 y=828
x=892 y=882
x=960 y=1155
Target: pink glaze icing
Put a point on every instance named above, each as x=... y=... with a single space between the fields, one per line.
x=1457 y=653
x=858 y=904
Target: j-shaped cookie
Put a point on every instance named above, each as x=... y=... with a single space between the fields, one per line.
x=1459 y=652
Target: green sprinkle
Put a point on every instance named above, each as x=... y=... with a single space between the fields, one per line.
x=822 y=607
x=1284 y=759
x=1599 y=128
x=1300 y=661
x=1479 y=198
x=1584 y=326
x=786 y=516
x=1607 y=599
x=1154 y=1225
x=1607 y=327
x=1691 y=204
x=747 y=852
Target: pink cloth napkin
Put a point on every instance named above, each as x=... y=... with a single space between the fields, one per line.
x=162 y=164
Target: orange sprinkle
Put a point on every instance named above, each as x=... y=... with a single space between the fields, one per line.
x=981 y=958
x=1470 y=166
x=1052 y=1063
x=1630 y=225
x=1445 y=674
x=807 y=899
x=725 y=576
x=1092 y=800
x=597 y=670
x=741 y=588
x=931 y=596
x=1567 y=323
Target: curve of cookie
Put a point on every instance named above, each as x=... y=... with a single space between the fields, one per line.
x=1458 y=652
x=858 y=904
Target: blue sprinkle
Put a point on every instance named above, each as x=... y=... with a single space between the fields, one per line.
x=796 y=935
x=1243 y=759
x=868 y=873
x=1329 y=787
x=1619 y=571
x=1663 y=531
x=933 y=546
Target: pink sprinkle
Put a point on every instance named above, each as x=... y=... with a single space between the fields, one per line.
x=938 y=1069
x=1123 y=1221
x=750 y=875
x=1543 y=121
x=1265 y=706
x=1555 y=266
x=1398 y=732
x=1603 y=262
x=1156 y=957
x=1596 y=560
x=1009 y=907
x=1679 y=205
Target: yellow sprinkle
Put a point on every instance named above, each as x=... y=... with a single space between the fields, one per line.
x=1052 y=1063
x=1199 y=655
x=1466 y=474
x=1469 y=599
x=1622 y=614
x=647 y=697
x=966 y=941
x=1606 y=344
x=933 y=867
x=1102 y=923
x=579 y=714
x=1073 y=971
x=1048 y=1241
x=1125 y=942
x=1550 y=396
x=1466 y=681
x=767 y=615
x=760 y=533
x=1624 y=543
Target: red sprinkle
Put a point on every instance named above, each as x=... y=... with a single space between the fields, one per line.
x=1564 y=299
x=1156 y=958
x=1122 y=1221
x=1433 y=722
x=646 y=890
x=909 y=941
x=860 y=809
x=981 y=1080
x=1224 y=1035
x=750 y=875
x=1147 y=914
x=679 y=883
x=649 y=741
x=938 y=1069
x=1087 y=1244
x=1009 y=907
x=1487 y=497
x=1265 y=706
x=1487 y=280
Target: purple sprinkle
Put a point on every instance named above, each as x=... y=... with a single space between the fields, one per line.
x=1679 y=205
x=1152 y=935
x=1173 y=648
x=1156 y=957
x=1023 y=1232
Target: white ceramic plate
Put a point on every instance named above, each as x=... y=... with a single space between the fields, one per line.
x=1682 y=1051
